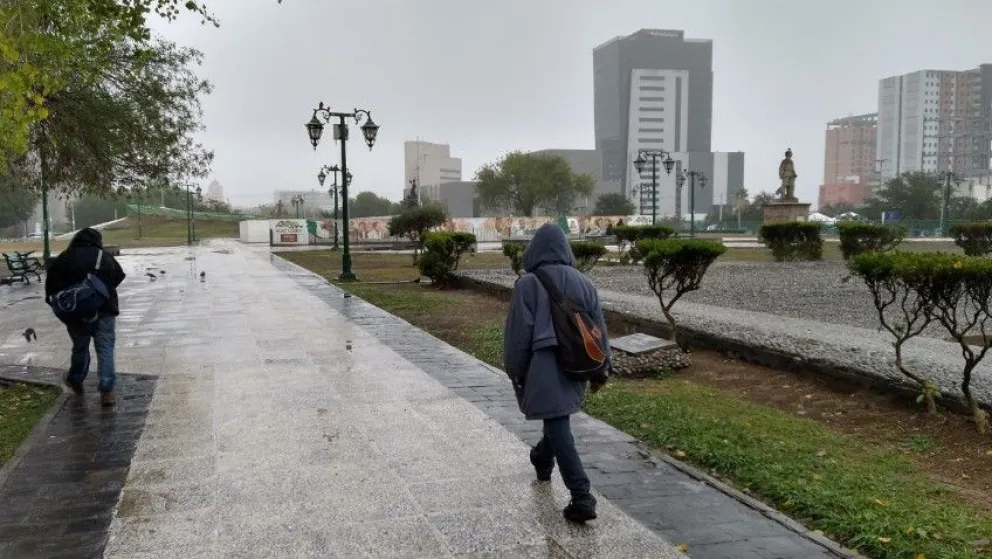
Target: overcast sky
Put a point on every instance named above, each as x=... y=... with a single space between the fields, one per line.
x=493 y=76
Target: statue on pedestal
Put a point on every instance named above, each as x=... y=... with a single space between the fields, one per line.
x=787 y=172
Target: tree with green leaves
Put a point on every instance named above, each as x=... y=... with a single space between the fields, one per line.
x=370 y=204
x=416 y=223
x=523 y=182
x=48 y=46
x=16 y=202
x=614 y=203
x=915 y=195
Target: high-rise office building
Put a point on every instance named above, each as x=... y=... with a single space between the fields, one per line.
x=935 y=121
x=653 y=89
x=850 y=167
x=430 y=165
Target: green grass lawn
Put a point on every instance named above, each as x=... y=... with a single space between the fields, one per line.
x=21 y=406
x=859 y=491
x=155 y=232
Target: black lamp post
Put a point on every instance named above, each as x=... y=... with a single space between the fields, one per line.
x=321 y=177
x=369 y=130
x=190 y=222
x=655 y=156
x=694 y=177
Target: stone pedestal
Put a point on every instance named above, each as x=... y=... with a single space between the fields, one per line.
x=786 y=211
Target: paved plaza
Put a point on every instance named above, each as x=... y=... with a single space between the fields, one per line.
x=265 y=414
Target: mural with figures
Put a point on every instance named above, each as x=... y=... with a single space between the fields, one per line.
x=486 y=229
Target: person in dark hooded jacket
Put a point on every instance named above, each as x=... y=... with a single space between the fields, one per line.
x=69 y=268
x=543 y=390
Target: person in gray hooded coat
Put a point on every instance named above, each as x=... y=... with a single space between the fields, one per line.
x=543 y=390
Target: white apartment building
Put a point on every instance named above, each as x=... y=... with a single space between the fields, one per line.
x=935 y=121
x=430 y=165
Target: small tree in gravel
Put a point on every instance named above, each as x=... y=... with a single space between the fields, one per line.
x=415 y=223
x=898 y=286
x=675 y=267
x=859 y=238
x=515 y=252
x=975 y=239
x=587 y=254
x=961 y=289
x=463 y=243
x=793 y=240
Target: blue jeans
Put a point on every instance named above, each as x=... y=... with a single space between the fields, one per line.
x=102 y=333
x=558 y=444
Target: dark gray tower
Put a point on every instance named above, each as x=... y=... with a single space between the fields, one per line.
x=689 y=106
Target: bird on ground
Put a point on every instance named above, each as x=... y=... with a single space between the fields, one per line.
x=151 y=275
x=30 y=334
x=203 y=276
x=161 y=272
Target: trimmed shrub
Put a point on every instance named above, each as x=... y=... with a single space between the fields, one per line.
x=675 y=267
x=438 y=260
x=587 y=254
x=975 y=239
x=859 y=238
x=515 y=252
x=463 y=243
x=954 y=291
x=793 y=240
x=895 y=281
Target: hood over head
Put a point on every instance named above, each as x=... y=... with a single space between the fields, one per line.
x=87 y=237
x=549 y=246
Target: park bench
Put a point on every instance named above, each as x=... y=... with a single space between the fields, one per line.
x=21 y=265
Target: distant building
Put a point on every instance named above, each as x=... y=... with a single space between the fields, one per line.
x=852 y=192
x=429 y=165
x=653 y=89
x=461 y=198
x=935 y=121
x=215 y=192
x=850 y=149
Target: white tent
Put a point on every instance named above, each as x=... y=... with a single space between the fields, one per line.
x=817 y=216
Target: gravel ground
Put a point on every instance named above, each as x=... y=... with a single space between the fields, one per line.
x=794 y=324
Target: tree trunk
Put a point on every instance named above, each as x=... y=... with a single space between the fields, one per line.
x=671 y=324
x=980 y=416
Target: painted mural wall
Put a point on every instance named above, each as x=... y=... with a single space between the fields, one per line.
x=486 y=229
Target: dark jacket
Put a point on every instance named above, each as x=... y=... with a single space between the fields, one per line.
x=78 y=259
x=529 y=336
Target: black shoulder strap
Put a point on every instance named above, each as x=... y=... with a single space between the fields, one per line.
x=549 y=285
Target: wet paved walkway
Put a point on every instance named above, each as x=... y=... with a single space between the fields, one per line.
x=280 y=428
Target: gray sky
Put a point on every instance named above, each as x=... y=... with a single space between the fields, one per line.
x=489 y=77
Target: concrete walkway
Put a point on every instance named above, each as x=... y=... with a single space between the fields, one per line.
x=280 y=428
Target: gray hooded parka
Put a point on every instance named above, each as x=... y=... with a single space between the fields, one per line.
x=529 y=336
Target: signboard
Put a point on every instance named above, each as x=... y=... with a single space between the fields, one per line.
x=289 y=232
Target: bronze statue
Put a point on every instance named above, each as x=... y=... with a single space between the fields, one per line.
x=787 y=172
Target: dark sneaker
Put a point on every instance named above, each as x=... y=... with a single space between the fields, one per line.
x=75 y=386
x=108 y=399
x=543 y=473
x=581 y=509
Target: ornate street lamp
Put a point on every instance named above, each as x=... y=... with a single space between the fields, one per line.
x=654 y=156
x=370 y=130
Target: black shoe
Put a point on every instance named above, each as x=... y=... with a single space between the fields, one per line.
x=581 y=509
x=75 y=386
x=543 y=473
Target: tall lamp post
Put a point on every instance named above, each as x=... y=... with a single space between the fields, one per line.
x=190 y=227
x=694 y=178
x=654 y=156
x=321 y=177
x=369 y=130
x=298 y=202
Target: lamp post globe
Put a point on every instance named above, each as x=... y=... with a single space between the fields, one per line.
x=679 y=180
x=321 y=177
x=314 y=131
x=669 y=164
x=639 y=163
x=370 y=130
